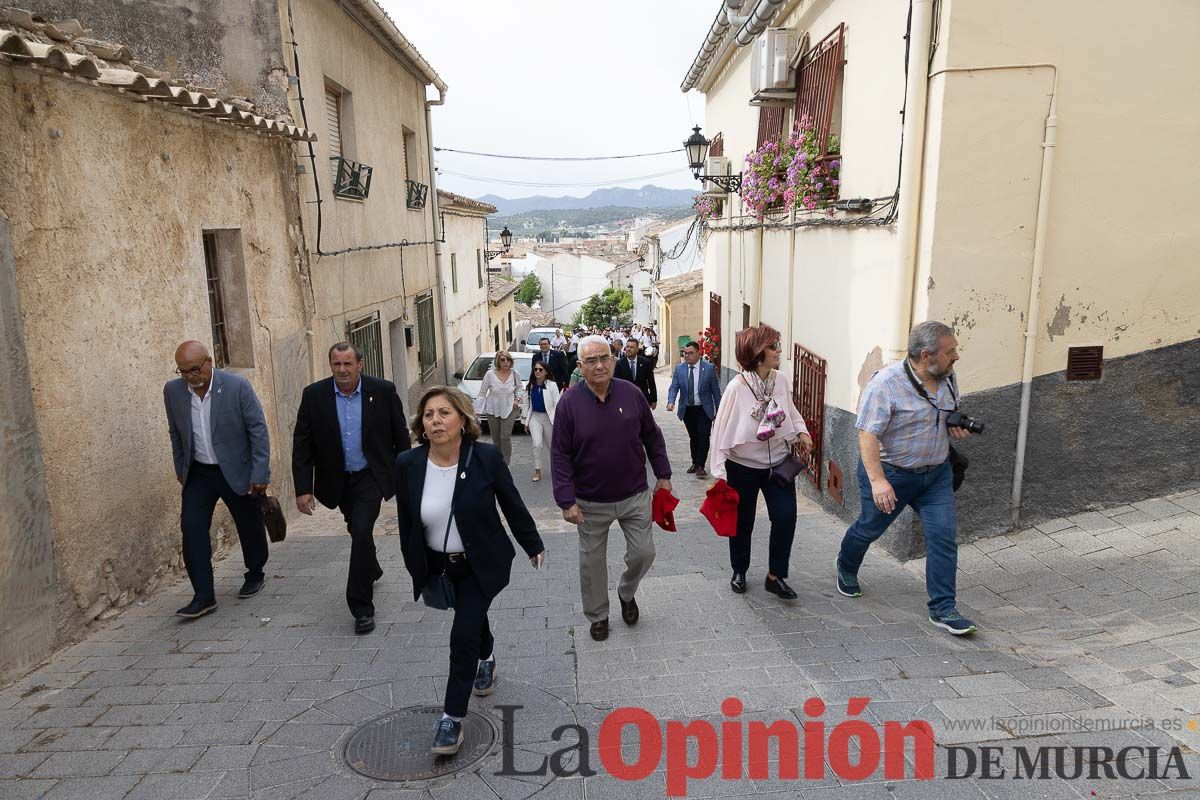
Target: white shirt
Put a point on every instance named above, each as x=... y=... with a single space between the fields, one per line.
x=557 y=343
x=202 y=446
x=574 y=343
x=498 y=396
x=435 y=508
x=695 y=371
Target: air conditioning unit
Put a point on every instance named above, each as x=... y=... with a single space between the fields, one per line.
x=715 y=165
x=772 y=78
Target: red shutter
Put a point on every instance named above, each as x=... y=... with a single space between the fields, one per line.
x=770 y=124
x=817 y=83
x=808 y=393
x=717 y=148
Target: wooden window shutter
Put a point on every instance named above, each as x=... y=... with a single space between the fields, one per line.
x=1085 y=363
x=770 y=124
x=717 y=148
x=334 y=119
x=817 y=84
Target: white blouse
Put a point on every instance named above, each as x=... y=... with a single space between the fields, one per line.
x=435 y=508
x=497 y=397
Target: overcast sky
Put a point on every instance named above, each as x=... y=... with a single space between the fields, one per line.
x=560 y=78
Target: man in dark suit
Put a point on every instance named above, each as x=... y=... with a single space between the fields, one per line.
x=233 y=466
x=638 y=370
x=695 y=382
x=349 y=429
x=555 y=360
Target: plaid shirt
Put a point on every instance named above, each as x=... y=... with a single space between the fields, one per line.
x=912 y=433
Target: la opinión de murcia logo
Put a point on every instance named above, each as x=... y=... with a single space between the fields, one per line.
x=742 y=749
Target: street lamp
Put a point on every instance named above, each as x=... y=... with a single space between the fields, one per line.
x=696 y=147
x=505 y=239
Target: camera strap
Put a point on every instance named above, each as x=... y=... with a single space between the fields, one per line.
x=921 y=390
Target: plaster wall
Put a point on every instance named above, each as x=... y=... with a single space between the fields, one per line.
x=568 y=280
x=499 y=315
x=386 y=100
x=466 y=308
x=232 y=46
x=108 y=200
x=681 y=315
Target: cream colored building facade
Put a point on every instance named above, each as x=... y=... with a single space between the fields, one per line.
x=1039 y=203
x=97 y=288
x=465 y=276
x=502 y=299
x=375 y=260
x=680 y=312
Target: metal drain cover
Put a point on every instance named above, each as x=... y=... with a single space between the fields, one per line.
x=395 y=746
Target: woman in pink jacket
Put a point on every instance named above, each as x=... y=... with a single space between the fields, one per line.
x=756 y=429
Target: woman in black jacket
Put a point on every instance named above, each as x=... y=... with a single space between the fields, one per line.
x=446 y=495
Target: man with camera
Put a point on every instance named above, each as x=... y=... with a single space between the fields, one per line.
x=906 y=418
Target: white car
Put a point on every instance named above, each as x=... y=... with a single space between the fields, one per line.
x=471 y=380
x=533 y=342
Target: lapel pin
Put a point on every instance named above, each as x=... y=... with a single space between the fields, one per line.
x=462 y=476
x=620 y=410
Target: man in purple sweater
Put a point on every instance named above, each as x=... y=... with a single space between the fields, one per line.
x=603 y=431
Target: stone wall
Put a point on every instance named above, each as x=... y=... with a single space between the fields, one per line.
x=232 y=46
x=109 y=200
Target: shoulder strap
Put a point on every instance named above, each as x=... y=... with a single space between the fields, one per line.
x=450 y=516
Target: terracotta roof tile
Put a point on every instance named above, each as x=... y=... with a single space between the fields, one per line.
x=680 y=284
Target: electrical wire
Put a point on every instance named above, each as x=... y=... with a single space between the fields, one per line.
x=536 y=184
x=557 y=158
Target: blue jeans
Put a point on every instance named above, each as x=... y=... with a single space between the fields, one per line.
x=931 y=495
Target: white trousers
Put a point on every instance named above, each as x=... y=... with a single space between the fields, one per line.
x=540 y=431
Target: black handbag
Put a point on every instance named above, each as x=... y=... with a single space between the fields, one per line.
x=438 y=591
x=785 y=472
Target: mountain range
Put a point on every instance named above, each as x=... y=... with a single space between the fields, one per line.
x=645 y=197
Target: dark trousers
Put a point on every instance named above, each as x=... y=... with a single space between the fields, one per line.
x=781 y=510
x=205 y=485
x=699 y=426
x=361 y=499
x=470 y=635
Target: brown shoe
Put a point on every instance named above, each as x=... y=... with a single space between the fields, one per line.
x=629 y=611
x=600 y=630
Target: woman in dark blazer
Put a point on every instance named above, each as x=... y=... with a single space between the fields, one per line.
x=447 y=491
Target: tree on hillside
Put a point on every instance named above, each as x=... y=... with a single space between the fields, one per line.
x=601 y=309
x=529 y=290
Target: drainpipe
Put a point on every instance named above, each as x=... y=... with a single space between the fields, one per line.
x=438 y=234
x=909 y=202
x=1049 y=145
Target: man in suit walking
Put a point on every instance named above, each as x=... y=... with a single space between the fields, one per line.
x=555 y=360
x=638 y=370
x=695 y=381
x=349 y=430
x=221 y=449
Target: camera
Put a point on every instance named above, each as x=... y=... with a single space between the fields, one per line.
x=956 y=419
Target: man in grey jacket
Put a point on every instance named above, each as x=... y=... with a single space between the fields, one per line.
x=221 y=450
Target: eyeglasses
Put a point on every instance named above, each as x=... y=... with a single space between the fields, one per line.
x=777 y=347
x=192 y=370
x=596 y=360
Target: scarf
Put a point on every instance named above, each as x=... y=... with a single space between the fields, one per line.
x=766 y=412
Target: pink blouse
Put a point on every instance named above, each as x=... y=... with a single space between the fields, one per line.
x=735 y=432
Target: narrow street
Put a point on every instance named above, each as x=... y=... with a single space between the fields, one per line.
x=1084 y=621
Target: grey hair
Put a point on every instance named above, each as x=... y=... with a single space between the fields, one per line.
x=927 y=337
x=594 y=339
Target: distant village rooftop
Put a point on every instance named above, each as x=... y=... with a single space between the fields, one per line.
x=500 y=288
x=680 y=284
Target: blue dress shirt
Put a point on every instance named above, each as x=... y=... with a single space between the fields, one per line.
x=350 y=419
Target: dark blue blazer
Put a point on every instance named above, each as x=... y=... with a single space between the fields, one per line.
x=709 y=389
x=478 y=490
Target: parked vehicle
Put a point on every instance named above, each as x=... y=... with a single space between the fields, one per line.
x=533 y=340
x=470 y=381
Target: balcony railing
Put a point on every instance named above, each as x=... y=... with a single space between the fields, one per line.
x=416 y=194
x=350 y=179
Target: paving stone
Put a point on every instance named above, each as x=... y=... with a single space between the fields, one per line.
x=112 y=787
x=80 y=764
x=19 y=765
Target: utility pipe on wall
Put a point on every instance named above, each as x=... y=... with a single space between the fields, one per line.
x=1049 y=145
x=438 y=235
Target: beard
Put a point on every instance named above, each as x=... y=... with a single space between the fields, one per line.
x=937 y=372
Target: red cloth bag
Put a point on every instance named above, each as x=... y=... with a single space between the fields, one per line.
x=720 y=508
x=662 y=507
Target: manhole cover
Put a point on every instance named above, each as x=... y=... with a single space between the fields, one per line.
x=395 y=746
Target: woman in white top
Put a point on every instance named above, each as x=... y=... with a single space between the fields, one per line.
x=500 y=399
x=447 y=494
x=756 y=428
x=538 y=416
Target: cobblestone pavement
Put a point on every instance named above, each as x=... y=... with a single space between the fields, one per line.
x=1085 y=622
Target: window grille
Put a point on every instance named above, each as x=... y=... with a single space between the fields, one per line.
x=426 y=335
x=366 y=335
x=714 y=322
x=808 y=393
x=770 y=124
x=820 y=72
x=216 y=302
x=717 y=148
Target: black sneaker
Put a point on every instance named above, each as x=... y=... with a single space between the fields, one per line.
x=197 y=608
x=448 y=737
x=485 y=678
x=847 y=584
x=954 y=622
x=251 y=587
